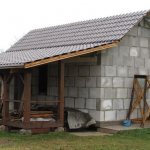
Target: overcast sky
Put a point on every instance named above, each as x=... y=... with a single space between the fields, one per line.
x=20 y=16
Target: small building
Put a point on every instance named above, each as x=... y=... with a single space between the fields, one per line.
x=86 y=65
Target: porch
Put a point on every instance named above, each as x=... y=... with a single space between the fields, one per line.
x=17 y=107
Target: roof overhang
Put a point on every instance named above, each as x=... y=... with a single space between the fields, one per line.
x=69 y=55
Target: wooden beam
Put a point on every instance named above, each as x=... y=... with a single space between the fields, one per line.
x=69 y=55
x=26 y=99
x=61 y=90
x=5 y=100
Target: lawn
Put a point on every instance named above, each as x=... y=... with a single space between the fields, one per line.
x=128 y=140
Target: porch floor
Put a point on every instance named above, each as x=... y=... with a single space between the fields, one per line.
x=118 y=128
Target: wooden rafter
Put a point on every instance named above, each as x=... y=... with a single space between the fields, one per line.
x=69 y=55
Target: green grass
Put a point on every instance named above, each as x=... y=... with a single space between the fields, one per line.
x=128 y=140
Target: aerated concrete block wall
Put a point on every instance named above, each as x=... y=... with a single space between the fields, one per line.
x=103 y=90
x=131 y=56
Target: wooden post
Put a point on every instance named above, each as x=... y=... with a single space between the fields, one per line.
x=5 y=100
x=26 y=99
x=61 y=90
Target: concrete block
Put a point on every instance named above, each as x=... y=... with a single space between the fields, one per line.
x=72 y=70
x=132 y=71
x=121 y=114
x=106 y=104
x=147 y=63
x=133 y=41
x=118 y=82
x=125 y=41
x=52 y=81
x=97 y=115
x=117 y=104
x=129 y=90
x=91 y=103
x=128 y=82
x=69 y=102
x=139 y=62
x=128 y=61
x=102 y=92
x=113 y=51
x=80 y=82
x=144 y=53
x=126 y=103
x=110 y=71
x=91 y=82
x=139 y=31
x=121 y=92
x=98 y=81
x=110 y=115
x=122 y=71
x=145 y=32
x=94 y=93
x=106 y=59
x=143 y=42
x=110 y=92
x=84 y=71
x=123 y=51
x=53 y=91
x=142 y=71
x=118 y=60
x=134 y=51
x=95 y=71
x=65 y=91
x=72 y=92
x=79 y=103
x=69 y=81
x=102 y=70
x=106 y=82
x=98 y=104
x=83 y=92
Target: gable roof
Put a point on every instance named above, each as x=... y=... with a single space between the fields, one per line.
x=63 y=39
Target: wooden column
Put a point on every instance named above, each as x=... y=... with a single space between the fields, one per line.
x=61 y=90
x=5 y=100
x=26 y=99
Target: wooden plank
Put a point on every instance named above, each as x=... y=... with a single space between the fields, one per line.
x=69 y=55
x=61 y=90
x=26 y=99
